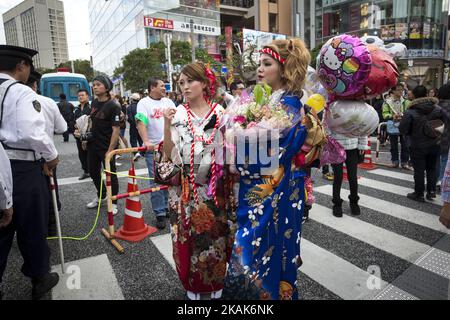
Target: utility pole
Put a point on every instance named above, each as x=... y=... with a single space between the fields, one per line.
x=169 y=58
x=193 y=41
x=73 y=66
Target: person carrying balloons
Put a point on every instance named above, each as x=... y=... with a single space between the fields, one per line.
x=352 y=71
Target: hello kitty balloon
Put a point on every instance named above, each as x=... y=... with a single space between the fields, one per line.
x=344 y=65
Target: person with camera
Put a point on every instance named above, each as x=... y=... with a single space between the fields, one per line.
x=102 y=137
x=83 y=109
x=393 y=110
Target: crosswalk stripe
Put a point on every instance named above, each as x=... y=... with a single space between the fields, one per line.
x=411 y=215
x=393 y=174
x=389 y=187
x=336 y=274
x=164 y=245
x=405 y=248
x=87 y=279
x=74 y=180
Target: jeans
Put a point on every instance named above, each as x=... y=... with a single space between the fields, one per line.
x=159 y=199
x=441 y=164
x=135 y=138
x=394 y=149
x=352 y=172
x=424 y=160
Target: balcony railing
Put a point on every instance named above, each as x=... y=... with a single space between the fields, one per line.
x=238 y=3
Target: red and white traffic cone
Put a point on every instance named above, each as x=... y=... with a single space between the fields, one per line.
x=134 y=228
x=368 y=164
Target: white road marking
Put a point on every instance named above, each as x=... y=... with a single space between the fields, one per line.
x=96 y=278
x=411 y=215
x=74 y=180
x=405 y=248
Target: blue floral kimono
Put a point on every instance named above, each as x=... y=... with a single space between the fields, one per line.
x=266 y=252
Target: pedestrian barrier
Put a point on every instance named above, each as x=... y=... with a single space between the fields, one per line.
x=134 y=228
x=368 y=164
x=377 y=152
x=110 y=234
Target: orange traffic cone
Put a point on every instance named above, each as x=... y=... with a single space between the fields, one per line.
x=368 y=164
x=134 y=228
x=345 y=173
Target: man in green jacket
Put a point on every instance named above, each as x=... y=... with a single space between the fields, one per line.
x=393 y=109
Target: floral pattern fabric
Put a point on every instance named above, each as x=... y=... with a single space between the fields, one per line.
x=266 y=252
x=200 y=232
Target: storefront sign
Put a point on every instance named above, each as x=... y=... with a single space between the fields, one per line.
x=163 y=24
x=157 y=23
x=198 y=28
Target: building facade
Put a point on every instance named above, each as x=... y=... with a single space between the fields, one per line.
x=39 y=25
x=120 y=26
x=274 y=16
x=422 y=25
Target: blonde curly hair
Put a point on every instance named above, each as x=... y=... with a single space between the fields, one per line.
x=297 y=57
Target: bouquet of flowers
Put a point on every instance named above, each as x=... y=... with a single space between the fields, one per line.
x=259 y=110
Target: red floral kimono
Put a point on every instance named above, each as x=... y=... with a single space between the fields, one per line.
x=201 y=236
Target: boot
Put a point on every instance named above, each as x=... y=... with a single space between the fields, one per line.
x=44 y=284
x=337 y=208
x=355 y=209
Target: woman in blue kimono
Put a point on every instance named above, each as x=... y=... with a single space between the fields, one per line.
x=266 y=252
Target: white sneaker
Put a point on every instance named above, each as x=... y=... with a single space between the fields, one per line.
x=137 y=157
x=115 y=211
x=94 y=203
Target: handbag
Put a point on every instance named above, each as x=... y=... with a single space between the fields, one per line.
x=166 y=172
x=393 y=126
x=333 y=152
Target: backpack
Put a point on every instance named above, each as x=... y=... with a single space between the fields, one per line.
x=433 y=128
x=315 y=141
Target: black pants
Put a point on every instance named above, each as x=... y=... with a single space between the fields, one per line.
x=352 y=172
x=66 y=136
x=83 y=156
x=135 y=138
x=30 y=220
x=424 y=160
x=326 y=169
x=394 y=149
x=96 y=158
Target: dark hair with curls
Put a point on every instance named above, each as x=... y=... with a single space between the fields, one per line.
x=197 y=71
x=297 y=59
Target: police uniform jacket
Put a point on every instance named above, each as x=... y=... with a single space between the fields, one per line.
x=54 y=121
x=6 y=188
x=23 y=124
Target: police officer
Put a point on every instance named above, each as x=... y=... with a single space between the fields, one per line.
x=54 y=123
x=31 y=152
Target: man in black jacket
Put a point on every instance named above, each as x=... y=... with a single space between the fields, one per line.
x=84 y=108
x=66 y=109
x=424 y=147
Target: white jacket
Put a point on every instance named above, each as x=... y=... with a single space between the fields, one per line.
x=351 y=143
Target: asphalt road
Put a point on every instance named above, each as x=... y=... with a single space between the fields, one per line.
x=393 y=235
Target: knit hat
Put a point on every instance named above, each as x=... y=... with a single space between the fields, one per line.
x=105 y=81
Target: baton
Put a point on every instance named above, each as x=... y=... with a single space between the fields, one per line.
x=58 y=224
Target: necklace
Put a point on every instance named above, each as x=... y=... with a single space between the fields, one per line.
x=200 y=138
